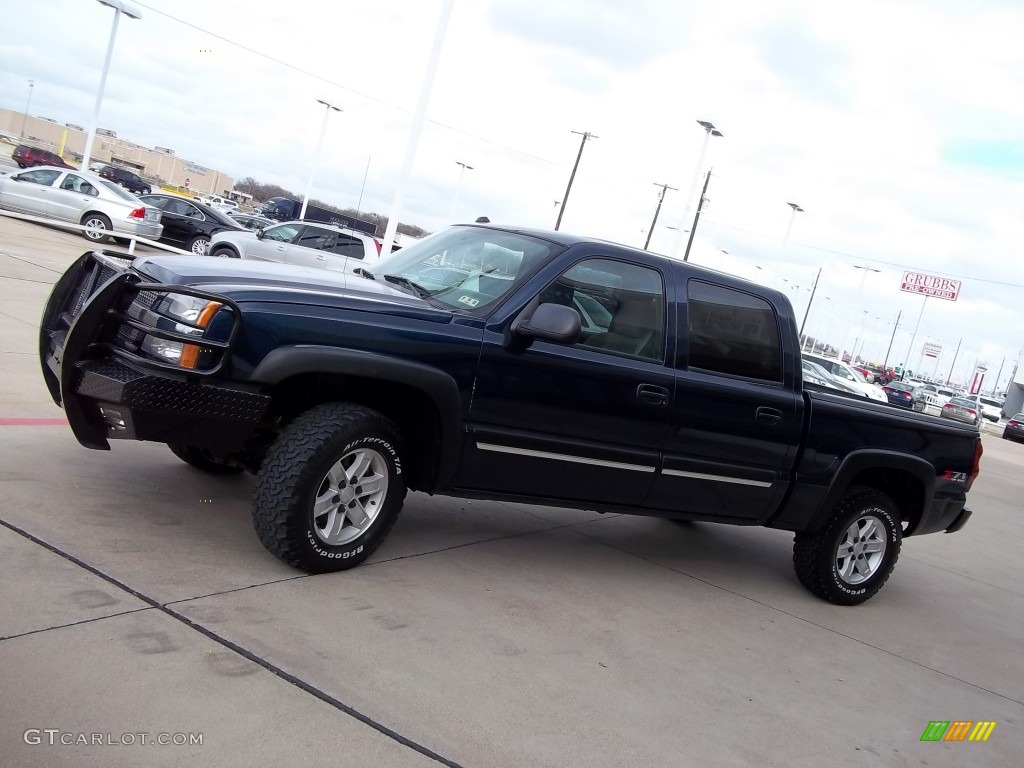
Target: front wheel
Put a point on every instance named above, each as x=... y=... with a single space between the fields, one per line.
x=330 y=488
x=224 y=253
x=849 y=560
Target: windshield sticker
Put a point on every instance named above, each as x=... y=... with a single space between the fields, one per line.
x=469 y=301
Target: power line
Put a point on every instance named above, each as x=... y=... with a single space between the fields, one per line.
x=865 y=258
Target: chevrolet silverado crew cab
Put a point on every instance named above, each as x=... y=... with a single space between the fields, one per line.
x=498 y=363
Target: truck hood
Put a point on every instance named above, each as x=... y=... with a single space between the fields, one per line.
x=244 y=281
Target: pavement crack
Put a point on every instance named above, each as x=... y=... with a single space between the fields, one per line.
x=241 y=651
x=73 y=623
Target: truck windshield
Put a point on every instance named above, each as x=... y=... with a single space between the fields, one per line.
x=467 y=268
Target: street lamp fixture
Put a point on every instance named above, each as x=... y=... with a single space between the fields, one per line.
x=328 y=108
x=131 y=13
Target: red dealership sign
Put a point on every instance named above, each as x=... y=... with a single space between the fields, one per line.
x=930 y=285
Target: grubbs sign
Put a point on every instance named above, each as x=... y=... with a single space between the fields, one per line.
x=930 y=285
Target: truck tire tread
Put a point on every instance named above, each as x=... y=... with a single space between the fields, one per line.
x=814 y=551
x=278 y=508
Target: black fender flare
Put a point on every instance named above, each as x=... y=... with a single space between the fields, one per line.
x=285 y=362
x=870 y=458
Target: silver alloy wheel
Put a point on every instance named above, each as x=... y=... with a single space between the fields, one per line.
x=95 y=229
x=350 y=496
x=199 y=245
x=861 y=550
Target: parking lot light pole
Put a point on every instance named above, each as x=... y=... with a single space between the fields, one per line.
x=316 y=155
x=785 y=240
x=418 y=119
x=28 y=102
x=709 y=131
x=131 y=13
x=458 y=186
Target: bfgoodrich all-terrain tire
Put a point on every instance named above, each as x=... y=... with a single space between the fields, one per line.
x=849 y=560
x=202 y=460
x=330 y=488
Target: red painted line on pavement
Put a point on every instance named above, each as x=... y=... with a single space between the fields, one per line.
x=29 y=422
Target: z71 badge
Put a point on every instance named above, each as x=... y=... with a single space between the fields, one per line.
x=956 y=477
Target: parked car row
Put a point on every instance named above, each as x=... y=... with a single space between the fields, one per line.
x=849 y=376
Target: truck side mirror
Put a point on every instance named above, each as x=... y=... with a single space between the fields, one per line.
x=551 y=322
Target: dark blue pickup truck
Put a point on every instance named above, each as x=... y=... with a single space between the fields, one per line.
x=498 y=363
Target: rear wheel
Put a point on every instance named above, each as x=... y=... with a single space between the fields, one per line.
x=849 y=560
x=97 y=227
x=330 y=488
x=203 y=460
x=198 y=245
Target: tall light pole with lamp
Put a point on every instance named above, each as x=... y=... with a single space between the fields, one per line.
x=795 y=209
x=860 y=293
x=131 y=13
x=28 y=102
x=458 y=187
x=709 y=131
x=328 y=108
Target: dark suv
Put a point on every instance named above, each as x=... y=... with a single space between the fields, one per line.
x=126 y=179
x=27 y=157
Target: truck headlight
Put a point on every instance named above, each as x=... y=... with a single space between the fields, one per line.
x=194 y=314
x=188 y=309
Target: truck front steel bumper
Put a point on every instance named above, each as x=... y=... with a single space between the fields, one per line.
x=108 y=393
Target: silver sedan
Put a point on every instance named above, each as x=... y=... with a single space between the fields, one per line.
x=100 y=206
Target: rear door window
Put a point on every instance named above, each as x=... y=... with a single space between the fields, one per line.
x=317 y=238
x=732 y=332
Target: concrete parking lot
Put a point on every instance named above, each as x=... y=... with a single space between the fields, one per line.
x=138 y=600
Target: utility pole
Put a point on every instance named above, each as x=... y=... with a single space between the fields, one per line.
x=661 y=198
x=955 y=355
x=814 y=289
x=565 y=198
x=995 y=386
x=891 y=340
x=696 y=216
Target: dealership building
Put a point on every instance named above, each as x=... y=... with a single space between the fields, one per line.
x=158 y=164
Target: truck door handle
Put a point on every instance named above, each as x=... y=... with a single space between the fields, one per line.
x=768 y=416
x=652 y=394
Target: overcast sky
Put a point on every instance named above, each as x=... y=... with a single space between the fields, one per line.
x=896 y=124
